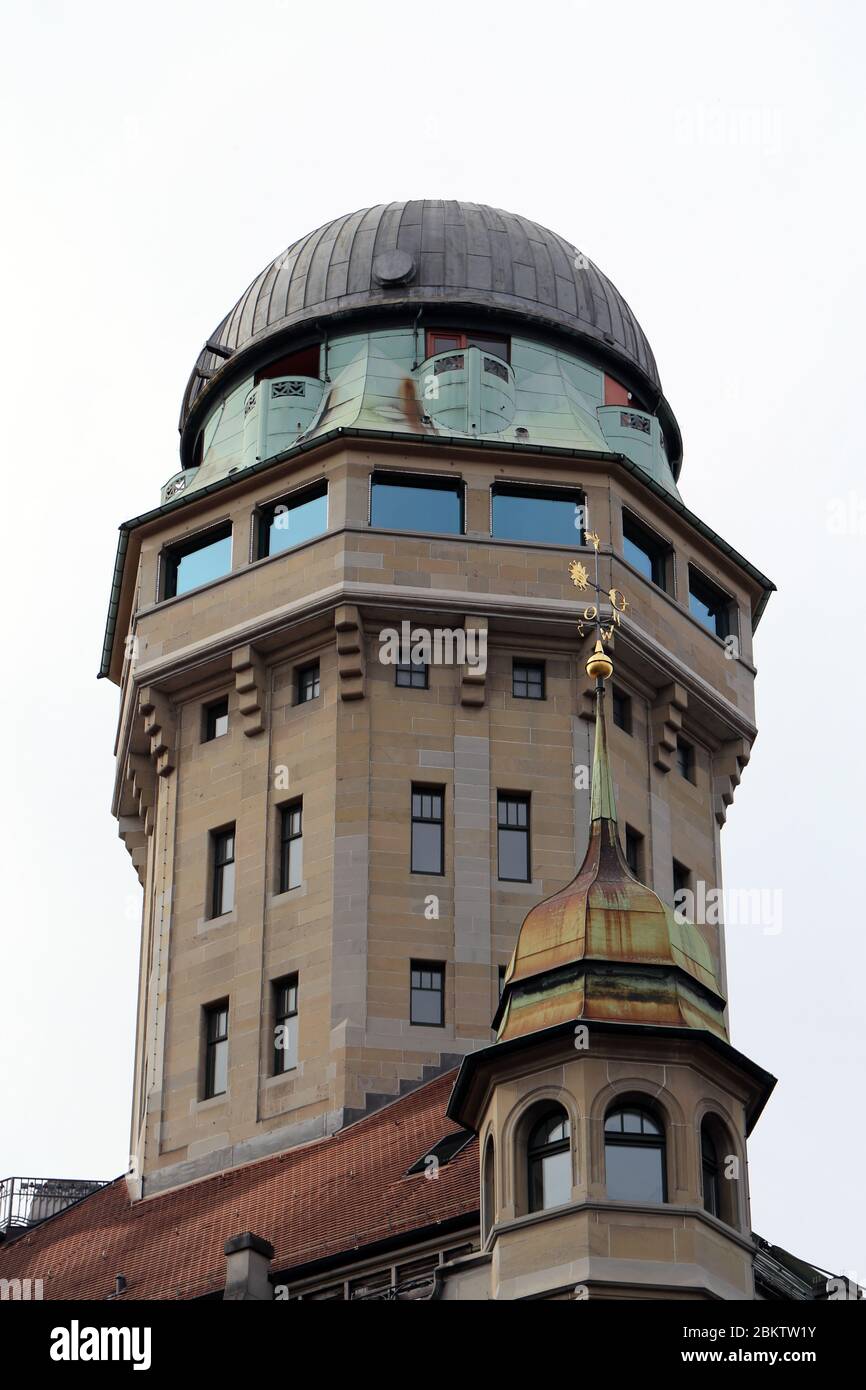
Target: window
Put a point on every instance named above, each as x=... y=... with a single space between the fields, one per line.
x=634 y=1156
x=682 y=878
x=428 y=830
x=406 y=502
x=308 y=682
x=302 y=363
x=709 y=1173
x=193 y=563
x=223 y=861
x=548 y=1155
x=216 y=1031
x=646 y=551
x=488 y=1191
x=550 y=515
x=443 y=1151
x=686 y=759
x=512 y=816
x=501 y=971
x=633 y=850
x=621 y=710
x=451 y=340
x=709 y=605
x=299 y=517
x=527 y=680
x=412 y=674
x=427 y=993
x=285 y=1024
x=291 y=846
x=216 y=719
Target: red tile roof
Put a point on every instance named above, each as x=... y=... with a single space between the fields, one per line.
x=334 y=1195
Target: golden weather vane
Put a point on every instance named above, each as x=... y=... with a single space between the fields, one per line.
x=592 y=612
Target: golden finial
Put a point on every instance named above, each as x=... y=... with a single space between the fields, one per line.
x=579 y=575
x=599 y=665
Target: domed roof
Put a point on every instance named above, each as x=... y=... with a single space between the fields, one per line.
x=433 y=252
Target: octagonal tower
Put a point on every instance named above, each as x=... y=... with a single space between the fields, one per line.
x=355 y=724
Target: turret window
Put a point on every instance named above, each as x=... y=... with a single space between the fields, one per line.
x=452 y=340
x=548 y=1156
x=192 y=563
x=551 y=516
x=710 y=605
x=645 y=550
x=718 y=1171
x=416 y=502
x=634 y=1156
x=297 y=518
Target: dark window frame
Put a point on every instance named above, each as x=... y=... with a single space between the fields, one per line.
x=537 y=1154
x=431 y=482
x=656 y=547
x=265 y=514
x=214 y=1037
x=219 y=864
x=640 y=1140
x=463 y=339
x=212 y=713
x=431 y=967
x=620 y=701
x=289 y=364
x=174 y=552
x=550 y=492
x=682 y=876
x=710 y=1174
x=412 y=670
x=288 y=836
x=301 y=682
x=421 y=790
x=711 y=596
x=634 y=838
x=521 y=664
x=520 y=799
x=282 y=991
x=685 y=759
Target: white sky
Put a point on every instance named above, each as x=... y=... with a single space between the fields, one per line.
x=711 y=162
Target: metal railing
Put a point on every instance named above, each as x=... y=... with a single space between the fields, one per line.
x=25 y=1202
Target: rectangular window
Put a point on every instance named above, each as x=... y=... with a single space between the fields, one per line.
x=552 y=516
x=291 y=846
x=216 y=719
x=527 y=680
x=428 y=830
x=216 y=1031
x=645 y=550
x=686 y=759
x=190 y=564
x=414 y=675
x=634 y=851
x=223 y=860
x=308 y=682
x=304 y=362
x=406 y=502
x=512 y=815
x=452 y=340
x=285 y=1024
x=709 y=605
x=299 y=517
x=682 y=877
x=621 y=710
x=427 y=993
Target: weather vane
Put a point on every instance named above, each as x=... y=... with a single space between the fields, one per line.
x=592 y=612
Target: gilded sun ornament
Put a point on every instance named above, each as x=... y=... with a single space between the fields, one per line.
x=579 y=575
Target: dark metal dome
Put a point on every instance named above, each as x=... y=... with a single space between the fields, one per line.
x=431 y=252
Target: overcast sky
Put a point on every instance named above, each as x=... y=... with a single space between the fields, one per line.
x=710 y=161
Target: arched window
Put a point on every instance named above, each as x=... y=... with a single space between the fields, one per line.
x=488 y=1201
x=634 y=1155
x=709 y=1172
x=548 y=1160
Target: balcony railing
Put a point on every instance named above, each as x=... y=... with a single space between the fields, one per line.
x=24 y=1202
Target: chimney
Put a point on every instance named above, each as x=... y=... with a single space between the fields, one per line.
x=247 y=1260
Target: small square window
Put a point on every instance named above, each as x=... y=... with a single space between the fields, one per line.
x=308 y=682
x=685 y=760
x=216 y=720
x=413 y=675
x=645 y=550
x=634 y=851
x=427 y=993
x=621 y=710
x=527 y=680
